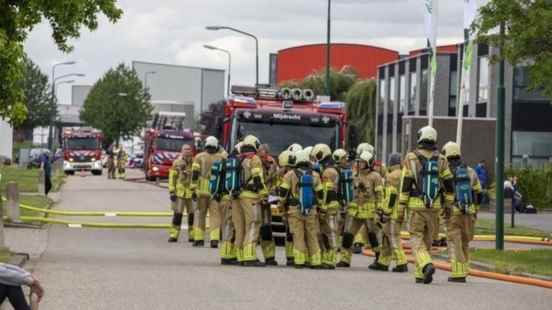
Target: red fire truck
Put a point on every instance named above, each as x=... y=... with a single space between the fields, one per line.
x=163 y=142
x=280 y=118
x=82 y=150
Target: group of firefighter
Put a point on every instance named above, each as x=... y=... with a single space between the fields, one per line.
x=116 y=163
x=326 y=199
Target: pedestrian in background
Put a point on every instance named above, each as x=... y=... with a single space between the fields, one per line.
x=12 y=278
x=46 y=167
x=483 y=176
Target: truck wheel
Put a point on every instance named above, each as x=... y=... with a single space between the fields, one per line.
x=97 y=172
x=69 y=172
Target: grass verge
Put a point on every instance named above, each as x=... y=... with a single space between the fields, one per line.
x=38 y=201
x=487 y=227
x=535 y=261
x=27 y=179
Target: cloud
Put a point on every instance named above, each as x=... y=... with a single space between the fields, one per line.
x=173 y=31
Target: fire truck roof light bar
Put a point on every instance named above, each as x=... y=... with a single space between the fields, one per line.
x=243 y=99
x=332 y=105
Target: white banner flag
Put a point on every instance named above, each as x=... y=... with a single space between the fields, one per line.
x=470 y=12
x=430 y=21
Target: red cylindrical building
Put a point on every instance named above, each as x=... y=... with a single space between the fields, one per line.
x=298 y=62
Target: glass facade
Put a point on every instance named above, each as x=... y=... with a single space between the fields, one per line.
x=391 y=94
x=531 y=148
x=483 y=77
x=453 y=93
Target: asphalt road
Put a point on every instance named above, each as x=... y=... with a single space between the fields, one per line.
x=138 y=269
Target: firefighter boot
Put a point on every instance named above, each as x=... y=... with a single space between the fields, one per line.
x=198 y=244
x=428 y=271
x=214 y=244
x=175 y=229
x=376 y=265
x=401 y=268
x=190 y=227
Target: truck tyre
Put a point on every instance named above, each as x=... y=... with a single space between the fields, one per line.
x=97 y=172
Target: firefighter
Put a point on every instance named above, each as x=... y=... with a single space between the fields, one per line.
x=111 y=165
x=461 y=216
x=300 y=189
x=121 y=159
x=228 y=250
x=345 y=186
x=270 y=169
x=391 y=218
x=247 y=216
x=202 y=170
x=328 y=206
x=424 y=174
x=286 y=161
x=180 y=176
x=368 y=186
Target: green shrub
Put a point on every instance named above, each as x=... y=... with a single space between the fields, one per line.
x=535 y=185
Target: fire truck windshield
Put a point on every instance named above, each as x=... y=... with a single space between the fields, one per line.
x=171 y=145
x=82 y=144
x=279 y=136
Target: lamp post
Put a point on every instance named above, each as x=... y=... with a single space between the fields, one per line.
x=328 y=49
x=227 y=52
x=214 y=28
x=146 y=79
x=50 y=129
x=499 y=163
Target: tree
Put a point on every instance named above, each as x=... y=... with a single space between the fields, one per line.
x=117 y=104
x=361 y=108
x=41 y=109
x=528 y=36
x=340 y=82
x=17 y=18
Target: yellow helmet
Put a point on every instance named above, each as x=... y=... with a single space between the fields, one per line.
x=364 y=147
x=321 y=151
x=427 y=134
x=252 y=141
x=283 y=158
x=295 y=147
x=451 y=149
x=367 y=157
x=339 y=155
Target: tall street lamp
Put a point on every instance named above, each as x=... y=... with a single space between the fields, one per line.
x=328 y=48
x=227 y=52
x=50 y=128
x=214 y=28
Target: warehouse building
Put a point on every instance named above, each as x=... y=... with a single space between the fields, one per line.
x=176 y=88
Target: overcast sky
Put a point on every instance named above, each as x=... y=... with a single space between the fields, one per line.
x=173 y=31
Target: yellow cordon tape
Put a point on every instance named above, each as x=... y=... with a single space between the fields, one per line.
x=97 y=213
x=71 y=224
x=508 y=238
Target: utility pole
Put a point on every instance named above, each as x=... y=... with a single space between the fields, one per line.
x=328 y=49
x=499 y=164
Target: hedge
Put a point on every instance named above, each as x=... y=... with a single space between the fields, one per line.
x=535 y=185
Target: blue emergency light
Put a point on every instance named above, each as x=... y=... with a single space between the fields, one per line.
x=332 y=105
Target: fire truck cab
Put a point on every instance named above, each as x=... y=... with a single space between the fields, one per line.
x=163 y=142
x=82 y=150
x=280 y=118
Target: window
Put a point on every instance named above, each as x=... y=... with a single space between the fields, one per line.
x=522 y=80
x=453 y=93
x=391 y=95
x=412 y=99
x=483 y=92
x=402 y=94
x=424 y=92
x=533 y=144
x=382 y=95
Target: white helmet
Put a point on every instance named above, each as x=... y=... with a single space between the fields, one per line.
x=339 y=155
x=295 y=147
x=364 y=147
x=321 y=151
x=451 y=149
x=211 y=142
x=308 y=149
x=427 y=134
x=367 y=157
x=251 y=140
x=302 y=157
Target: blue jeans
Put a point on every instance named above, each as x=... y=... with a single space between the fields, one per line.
x=15 y=296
